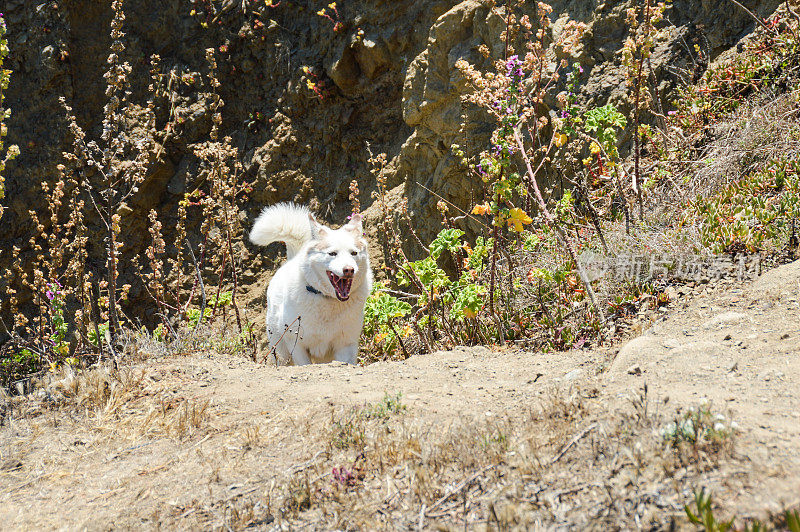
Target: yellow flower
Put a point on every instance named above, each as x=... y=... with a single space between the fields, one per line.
x=310 y=85
x=332 y=5
x=594 y=148
x=481 y=209
x=306 y=70
x=561 y=139
x=407 y=331
x=517 y=217
x=321 y=12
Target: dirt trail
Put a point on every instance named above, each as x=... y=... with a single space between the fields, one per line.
x=237 y=428
x=739 y=347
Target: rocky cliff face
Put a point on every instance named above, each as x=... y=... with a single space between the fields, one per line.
x=432 y=88
x=387 y=78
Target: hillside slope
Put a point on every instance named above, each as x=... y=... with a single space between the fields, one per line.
x=477 y=436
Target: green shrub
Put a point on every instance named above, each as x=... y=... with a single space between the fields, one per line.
x=755 y=213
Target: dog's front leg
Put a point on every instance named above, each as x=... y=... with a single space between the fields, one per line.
x=347 y=354
x=300 y=356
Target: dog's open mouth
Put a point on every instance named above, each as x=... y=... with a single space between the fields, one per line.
x=341 y=285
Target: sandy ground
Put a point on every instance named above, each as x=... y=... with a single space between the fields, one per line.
x=179 y=437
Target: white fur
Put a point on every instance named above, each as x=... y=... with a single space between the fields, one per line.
x=302 y=325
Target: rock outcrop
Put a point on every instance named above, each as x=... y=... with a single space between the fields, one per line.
x=385 y=76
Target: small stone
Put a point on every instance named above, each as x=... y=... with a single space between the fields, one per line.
x=572 y=375
x=671 y=343
x=11 y=465
x=634 y=370
x=726 y=318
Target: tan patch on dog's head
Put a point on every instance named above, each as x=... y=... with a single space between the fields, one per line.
x=320 y=245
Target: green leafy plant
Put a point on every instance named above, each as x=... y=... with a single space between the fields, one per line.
x=380 y=315
x=349 y=428
x=386 y=407
x=769 y=60
x=102 y=330
x=792 y=520
x=755 y=213
x=441 y=301
x=216 y=301
x=698 y=426
x=703 y=513
x=603 y=122
x=58 y=335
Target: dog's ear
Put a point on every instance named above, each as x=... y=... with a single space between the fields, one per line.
x=355 y=225
x=318 y=231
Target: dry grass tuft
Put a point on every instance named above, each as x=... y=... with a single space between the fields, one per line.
x=566 y=460
x=118 y=401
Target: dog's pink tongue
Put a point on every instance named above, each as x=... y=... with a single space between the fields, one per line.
x=343 y=287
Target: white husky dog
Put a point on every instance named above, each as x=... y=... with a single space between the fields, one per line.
x=315 y=301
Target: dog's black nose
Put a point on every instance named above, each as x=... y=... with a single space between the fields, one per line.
x=348 y=272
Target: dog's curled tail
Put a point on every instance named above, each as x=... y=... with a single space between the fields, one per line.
x=283 y=222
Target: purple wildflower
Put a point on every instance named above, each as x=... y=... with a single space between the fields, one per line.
x=514 y=66
x=49 y=294
x=580 y=69
x=343 y=476
x=565 y=114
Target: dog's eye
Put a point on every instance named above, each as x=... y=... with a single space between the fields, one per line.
x=332 y=253
x=354 y=253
